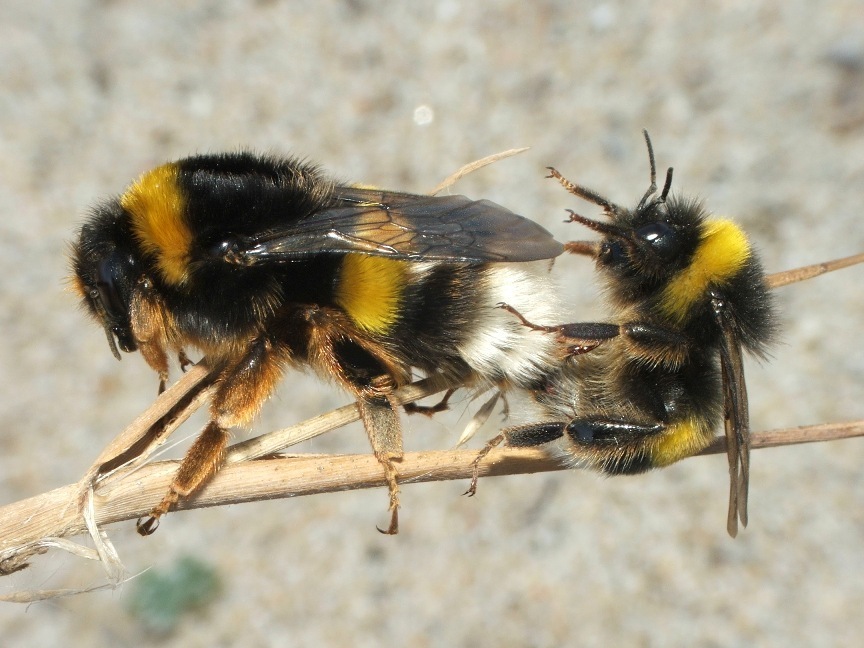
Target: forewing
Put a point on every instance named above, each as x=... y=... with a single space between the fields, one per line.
x=737 y=426
x=404 y=226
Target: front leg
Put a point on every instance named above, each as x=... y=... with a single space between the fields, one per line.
x=652 y=342
x=152 y=327
x=656 y=344
x=580 y=338
x=243 y=386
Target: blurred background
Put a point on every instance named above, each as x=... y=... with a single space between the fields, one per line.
x=759 y=106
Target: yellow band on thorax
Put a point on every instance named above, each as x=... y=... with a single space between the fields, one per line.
x=722 y=251
x=156 y=205
x=370 y=289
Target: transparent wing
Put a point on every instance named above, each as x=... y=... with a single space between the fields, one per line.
x=737 y=426
x=403 y=226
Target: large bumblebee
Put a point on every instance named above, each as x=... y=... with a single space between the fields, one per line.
x=262 y=262
x=650 y=386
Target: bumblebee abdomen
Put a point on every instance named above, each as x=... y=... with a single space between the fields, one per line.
x=681 y=439
x=497 y=345
x=370 y=290
x=444 y=317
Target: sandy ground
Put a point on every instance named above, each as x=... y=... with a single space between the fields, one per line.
x=759 y=106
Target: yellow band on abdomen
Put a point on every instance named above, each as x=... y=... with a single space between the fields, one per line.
x=682 y=439
x=370 y=290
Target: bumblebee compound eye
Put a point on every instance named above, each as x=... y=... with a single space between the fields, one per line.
x=660 y=239
x=109 y=275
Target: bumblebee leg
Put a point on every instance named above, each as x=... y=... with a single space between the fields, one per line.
x=516 y=437
x=365 y=368
x=149 y=321
x=201 y=461
x=247 y=383
x=580 y=337
x=587 y=248
x=243 y=387
x=442 y=406
x=657 y=344
x=381 y=421
x=525 y=322
x=615 y=447
x=472 y=487
x=529 y=436
x=582 y=192
x=627 y=448
x=604 y=432
x=184 y=360
x=583 y=337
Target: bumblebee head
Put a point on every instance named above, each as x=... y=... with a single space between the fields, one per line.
x=647 y=245
x=105 y=272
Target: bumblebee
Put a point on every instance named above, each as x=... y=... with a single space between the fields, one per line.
x=262 y=263
x=649 y=387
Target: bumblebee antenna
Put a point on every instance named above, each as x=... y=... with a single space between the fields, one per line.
x=652 y=188
x=667 y=185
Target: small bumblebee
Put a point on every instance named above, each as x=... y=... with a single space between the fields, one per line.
x=650 y=387
x=262 y=262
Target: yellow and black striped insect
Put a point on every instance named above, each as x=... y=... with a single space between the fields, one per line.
x=262 y=262
x=650 y=386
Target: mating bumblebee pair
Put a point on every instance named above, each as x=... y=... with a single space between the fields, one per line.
x=262 y=263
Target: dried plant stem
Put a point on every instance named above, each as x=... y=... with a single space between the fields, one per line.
x=132 y=493
x=471 y=167
x=779 y=279
x=31 y=526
